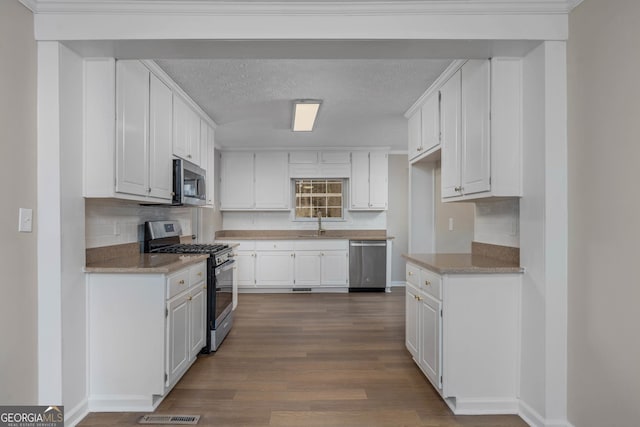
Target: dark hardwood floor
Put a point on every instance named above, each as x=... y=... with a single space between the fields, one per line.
x=311 y=360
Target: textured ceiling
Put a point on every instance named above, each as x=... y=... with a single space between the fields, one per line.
x=250 y=100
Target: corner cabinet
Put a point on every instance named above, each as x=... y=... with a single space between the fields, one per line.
x=254 y=180
x=462 y=331
x=129 y=130
x=369 y=180
x=145 y=331
x=481 y=126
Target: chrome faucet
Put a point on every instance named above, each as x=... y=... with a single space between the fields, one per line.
x=320 y=230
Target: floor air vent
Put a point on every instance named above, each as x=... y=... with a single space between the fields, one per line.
x=179 y=420
x=301 y=290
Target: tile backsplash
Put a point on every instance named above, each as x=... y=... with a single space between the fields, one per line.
x=498 y=222
x=112 y=222
x=283 y=221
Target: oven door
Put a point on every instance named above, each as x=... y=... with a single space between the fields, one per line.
x=224 y=292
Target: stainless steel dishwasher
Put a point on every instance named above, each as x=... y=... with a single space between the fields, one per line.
x=367 y=265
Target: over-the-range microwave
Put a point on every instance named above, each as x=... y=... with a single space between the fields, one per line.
x=189 y=184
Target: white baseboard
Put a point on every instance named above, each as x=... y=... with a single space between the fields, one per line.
x=397 y=283
x=123 y=403
x=334 y=290
x=76 y=414
x=485 y=406
x=534 y=419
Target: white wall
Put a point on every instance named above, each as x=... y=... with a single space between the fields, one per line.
x=73 y=289
x=604 y=291
x=398 y=214
x=18 y=327
x=459 y=239
x=498 y=222
x=543 y=237
x=112 y=222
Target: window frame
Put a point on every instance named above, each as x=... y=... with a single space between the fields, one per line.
x=343 y=208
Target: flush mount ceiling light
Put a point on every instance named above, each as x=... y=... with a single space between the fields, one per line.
x=305 y=112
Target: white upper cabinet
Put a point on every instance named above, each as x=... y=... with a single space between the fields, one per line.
x=472 y=117
x=465 y=131
x=322 y=164
x=254 y=181
x=272 y=186
x=132 y=138
x=475 y=168
x=451 y=140
x=160 y=142
x=369 y=180
x=236 y=180
x=186 y=131
x=143 y=132
x=210 y=165
x=128 y=130
x=424 y=128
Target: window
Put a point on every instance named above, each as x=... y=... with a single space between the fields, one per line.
x=323 y=196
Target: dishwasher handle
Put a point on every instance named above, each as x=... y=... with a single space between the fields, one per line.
x=366 y=244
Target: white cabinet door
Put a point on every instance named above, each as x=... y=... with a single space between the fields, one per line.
x=378 y=180
x=236 y=181
x=246 y=265
x=181 y=137
x=334 y=268
x=307 y=269
x=411 y=320
x=415 y=134
x=430 y=123
x=211 y=166
x=359 y=180
x=178 y=320
x=186 y=131
x=160 y=142
x=430 y=340
x=451 y=141
x=197 y=316
x=272 y=186
x=132 y=139
x=476 y=156
x=274 y=269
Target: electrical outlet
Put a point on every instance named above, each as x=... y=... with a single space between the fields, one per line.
x=450 y=224
x=25 y=223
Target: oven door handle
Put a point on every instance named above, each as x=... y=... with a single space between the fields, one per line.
x=228 y=265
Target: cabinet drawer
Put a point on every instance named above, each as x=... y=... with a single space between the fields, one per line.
x=321 y=245
x=274 y=245
x=197 y=273
x=177 y=283
x=431 y=283
x=413 y=275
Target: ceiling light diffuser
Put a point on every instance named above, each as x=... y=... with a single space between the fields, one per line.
x=305 y=112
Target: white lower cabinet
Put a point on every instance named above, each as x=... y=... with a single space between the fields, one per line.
x=462 y=331
x=145 y=331
x=284 y=265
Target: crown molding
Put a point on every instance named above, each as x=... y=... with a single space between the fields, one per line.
x=225 y=7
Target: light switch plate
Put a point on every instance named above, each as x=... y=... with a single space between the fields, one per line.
x=25 y=224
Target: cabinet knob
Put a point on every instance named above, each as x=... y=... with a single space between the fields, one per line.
x=410 y=273
x=188 y=156
x=200 y=273
x=321 y=253
x=457 y=189
x=427 y=283
x=190 y=298
x=419 y=148
x=181 y=282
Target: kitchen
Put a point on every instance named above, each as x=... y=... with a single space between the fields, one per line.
x=526 y=235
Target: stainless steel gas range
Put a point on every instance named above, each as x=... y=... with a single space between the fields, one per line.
x=164 y=237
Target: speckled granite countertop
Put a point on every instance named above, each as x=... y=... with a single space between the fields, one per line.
x=302 y=235
x=144 y=263
x=463 y=264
